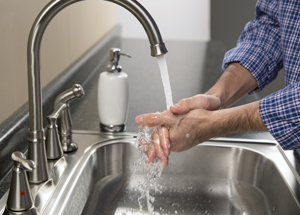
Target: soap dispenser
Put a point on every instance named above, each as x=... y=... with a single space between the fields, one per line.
x=113 y=94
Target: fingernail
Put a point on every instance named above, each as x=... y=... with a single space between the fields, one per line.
x=139 y=120
x=176 y=106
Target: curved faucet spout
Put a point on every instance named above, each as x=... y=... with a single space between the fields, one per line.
x=36 y=140
x=157 y=45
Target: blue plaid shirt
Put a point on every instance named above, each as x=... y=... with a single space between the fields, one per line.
x=267 y=44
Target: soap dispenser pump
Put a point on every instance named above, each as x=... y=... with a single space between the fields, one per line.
x=113 y=94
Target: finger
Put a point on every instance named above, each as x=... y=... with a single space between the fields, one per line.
x=155 y=119
x=208 y=102
x=164 y=140
x=151 y=154
x=145 y=145
x=158 y=149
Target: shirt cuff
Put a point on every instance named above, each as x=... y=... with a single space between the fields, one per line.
x=253 y=58
x=280 y=113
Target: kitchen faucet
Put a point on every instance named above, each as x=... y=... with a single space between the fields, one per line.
x=36 y=140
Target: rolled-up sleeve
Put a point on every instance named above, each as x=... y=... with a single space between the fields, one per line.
x=280 y=113
x=258 y=48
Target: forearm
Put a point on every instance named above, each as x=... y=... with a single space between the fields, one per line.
x=234 y=83
x=245 y=118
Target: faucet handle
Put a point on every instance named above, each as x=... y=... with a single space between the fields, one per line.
x=53 y=145
x=20 y=161
x=19 y=197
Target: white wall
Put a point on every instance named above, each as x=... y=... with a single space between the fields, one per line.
x=176 y=19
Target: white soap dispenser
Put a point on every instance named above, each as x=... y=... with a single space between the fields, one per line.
x=113 y=95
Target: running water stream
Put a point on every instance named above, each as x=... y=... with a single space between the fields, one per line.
x=162 y=63
x=151 y=171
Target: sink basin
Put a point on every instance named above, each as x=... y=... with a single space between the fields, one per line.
x=219 y=177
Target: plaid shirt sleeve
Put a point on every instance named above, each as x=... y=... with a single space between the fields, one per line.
x=280 y=112
x=259 y=50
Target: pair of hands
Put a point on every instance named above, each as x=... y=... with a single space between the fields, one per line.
x=185 y=125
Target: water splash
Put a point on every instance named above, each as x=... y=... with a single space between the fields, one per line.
x=151 y=171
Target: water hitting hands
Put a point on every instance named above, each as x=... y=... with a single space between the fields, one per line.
x=155 y=143
x=180 y=128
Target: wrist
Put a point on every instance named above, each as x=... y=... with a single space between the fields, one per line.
x=245 y=118
x=234 y=83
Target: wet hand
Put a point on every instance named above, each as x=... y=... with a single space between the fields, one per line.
x=158 y=146
x=201 y=101
x=161 y=137
x=179 y=133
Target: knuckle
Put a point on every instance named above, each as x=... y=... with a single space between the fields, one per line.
x=205 y=104
x=184 y=102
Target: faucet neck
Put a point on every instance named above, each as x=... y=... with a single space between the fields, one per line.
x=157 y=45
x=33 y=60
x=36 y=137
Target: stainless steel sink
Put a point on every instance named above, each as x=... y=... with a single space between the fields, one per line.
x=218 y=177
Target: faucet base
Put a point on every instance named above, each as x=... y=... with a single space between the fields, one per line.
x=37 y=153
x=71 y=147
x=67 y=143
x=31 y=211
x=112 y=128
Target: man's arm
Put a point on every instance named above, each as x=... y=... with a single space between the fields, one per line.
x=234 y=83
x=198 y=125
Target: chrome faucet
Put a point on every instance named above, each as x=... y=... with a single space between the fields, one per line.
x=36 y=140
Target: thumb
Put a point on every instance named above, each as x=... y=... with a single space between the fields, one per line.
x=207 y=102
